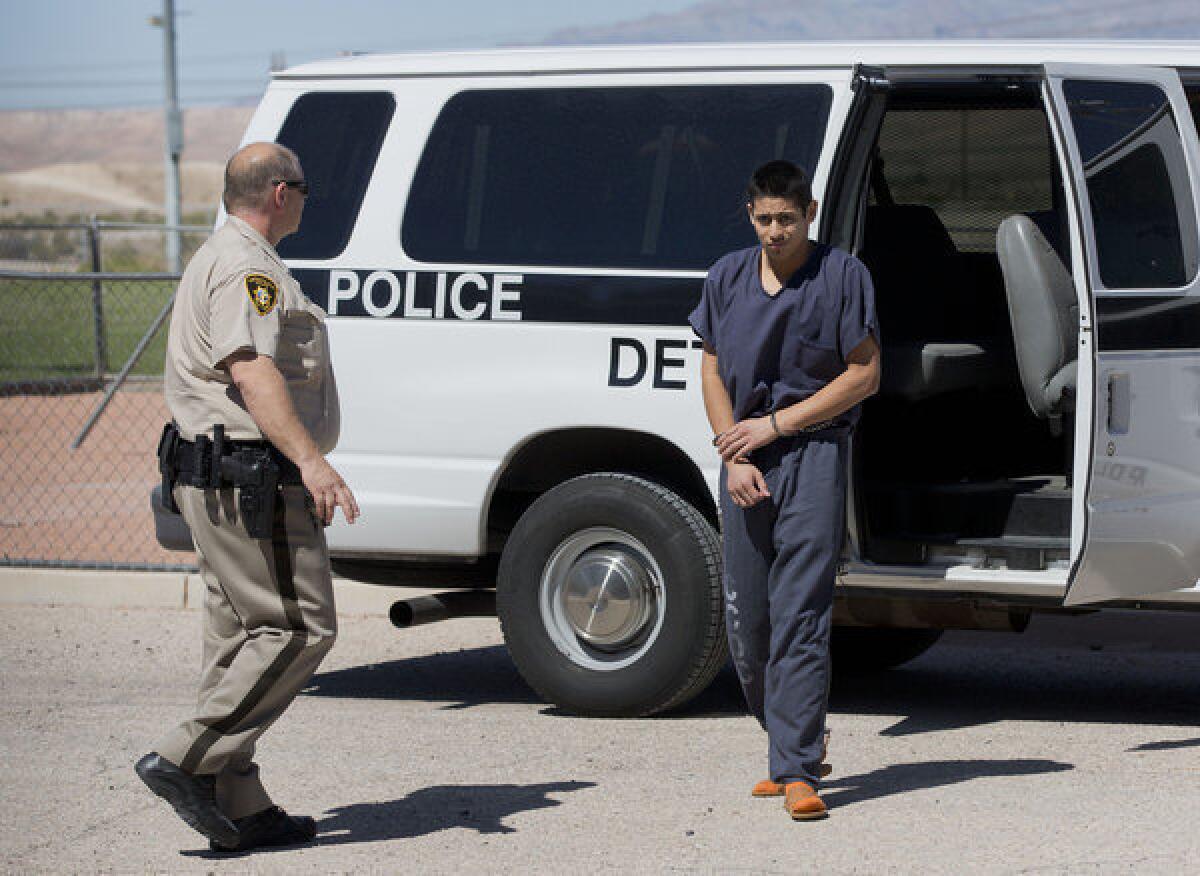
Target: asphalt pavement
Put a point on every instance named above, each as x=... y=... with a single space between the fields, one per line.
x=1073 y=748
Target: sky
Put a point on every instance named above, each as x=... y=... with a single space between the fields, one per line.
x=105 y=53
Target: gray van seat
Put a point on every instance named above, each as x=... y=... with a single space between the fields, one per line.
x=916 y=371
x=917 y=272
x=1044 y=314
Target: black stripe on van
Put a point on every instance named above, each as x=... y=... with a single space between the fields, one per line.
x=500 y=296
x=1157 y=323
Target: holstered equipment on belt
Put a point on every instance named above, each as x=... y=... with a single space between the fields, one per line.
x=256 y=468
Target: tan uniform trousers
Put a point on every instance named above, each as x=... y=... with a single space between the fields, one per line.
x=269 y=620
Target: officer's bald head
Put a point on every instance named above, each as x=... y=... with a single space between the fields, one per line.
x=249 y=175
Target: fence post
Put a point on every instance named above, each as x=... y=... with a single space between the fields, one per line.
x=98 y=301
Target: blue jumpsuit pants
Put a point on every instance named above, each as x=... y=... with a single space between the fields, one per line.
x=781 y=560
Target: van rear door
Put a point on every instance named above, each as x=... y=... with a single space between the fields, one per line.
x=1128 y=135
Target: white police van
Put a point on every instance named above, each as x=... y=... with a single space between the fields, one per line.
x=508 y=244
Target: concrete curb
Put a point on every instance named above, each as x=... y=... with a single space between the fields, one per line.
x=163 y=590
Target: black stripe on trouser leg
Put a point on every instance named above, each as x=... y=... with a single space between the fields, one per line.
x=295 y=644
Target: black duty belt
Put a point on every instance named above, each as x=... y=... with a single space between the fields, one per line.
x=220 y=461
x=192 y=457
x=256 y=467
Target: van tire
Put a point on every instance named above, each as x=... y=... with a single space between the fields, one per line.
x=863 y=650
x=664 y=644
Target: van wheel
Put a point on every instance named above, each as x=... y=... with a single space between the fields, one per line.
x=609 y=596
x=861 y=650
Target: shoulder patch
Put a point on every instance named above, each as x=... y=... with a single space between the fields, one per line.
x=263 y=292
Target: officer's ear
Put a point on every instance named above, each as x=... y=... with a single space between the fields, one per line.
x=811 y=211
x=277 y=196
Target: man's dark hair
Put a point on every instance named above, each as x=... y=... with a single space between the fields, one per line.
x=780 y=179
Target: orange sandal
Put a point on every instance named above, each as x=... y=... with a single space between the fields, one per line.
x=769 y=788
x=803 y=804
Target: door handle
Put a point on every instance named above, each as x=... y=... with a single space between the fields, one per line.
x=1119 y=402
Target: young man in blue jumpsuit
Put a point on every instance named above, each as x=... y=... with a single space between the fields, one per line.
x=790 y=350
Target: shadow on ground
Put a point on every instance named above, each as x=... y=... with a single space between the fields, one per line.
x=1120 y=669
x=905 y=778
x=481 y=808
x=1167 y=745
x=459 y=679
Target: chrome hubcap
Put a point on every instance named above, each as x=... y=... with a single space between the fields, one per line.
x=602 y=598
x=606 y=595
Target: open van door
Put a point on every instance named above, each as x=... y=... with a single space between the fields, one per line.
x=1131 y=143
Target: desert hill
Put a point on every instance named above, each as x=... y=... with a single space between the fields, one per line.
x=35 y=138
x=110 y=160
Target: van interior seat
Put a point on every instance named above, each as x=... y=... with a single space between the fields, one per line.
x=916 y=371
x=920 y=290
x=1044 y=313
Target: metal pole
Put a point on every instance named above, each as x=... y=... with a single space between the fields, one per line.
x=119 y=380
x=101 y=345
x=174 y=138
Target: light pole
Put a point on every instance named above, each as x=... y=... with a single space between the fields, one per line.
x=174 y=137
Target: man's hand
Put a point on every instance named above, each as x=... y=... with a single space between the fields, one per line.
x=328 y=490
x=745 y=483
x=744 y=438
x=267 y=398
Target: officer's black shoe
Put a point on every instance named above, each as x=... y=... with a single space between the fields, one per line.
x=271 y=827
x=193 y=797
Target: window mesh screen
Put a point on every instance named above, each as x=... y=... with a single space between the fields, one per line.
x=973 y=166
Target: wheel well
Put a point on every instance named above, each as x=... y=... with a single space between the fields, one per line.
x=548 y=459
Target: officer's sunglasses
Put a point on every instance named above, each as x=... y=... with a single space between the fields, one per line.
x=298 y=184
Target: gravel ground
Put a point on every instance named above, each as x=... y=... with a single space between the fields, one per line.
x=1071 y=749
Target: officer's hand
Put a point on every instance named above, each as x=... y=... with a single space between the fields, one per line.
x=744 y=438
x=745 y=483
x=328 y=491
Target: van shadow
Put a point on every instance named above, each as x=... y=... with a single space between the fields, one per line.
x=458 y=680
x=481 y=808
x=1113 y=669
x=1126 y=670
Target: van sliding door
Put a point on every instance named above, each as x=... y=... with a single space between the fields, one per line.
x=1134 y=161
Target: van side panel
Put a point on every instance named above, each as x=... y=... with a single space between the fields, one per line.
x=441 y=375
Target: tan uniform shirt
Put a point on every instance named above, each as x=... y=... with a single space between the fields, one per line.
x=236 y=295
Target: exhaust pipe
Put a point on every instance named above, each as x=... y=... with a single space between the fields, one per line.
x=442 y=606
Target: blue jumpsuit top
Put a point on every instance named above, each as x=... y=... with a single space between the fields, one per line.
x=775 y=350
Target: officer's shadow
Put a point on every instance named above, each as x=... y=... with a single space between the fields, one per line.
x=905 y=778
x=481 y=808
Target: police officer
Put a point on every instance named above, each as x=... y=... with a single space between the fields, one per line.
x=248 y=378
x=790 y=350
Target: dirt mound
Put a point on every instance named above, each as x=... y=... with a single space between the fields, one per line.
x=37 y=138
x=127 y=186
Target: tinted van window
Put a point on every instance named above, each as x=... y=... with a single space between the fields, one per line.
x=337 y=136
x=603 y=177
x=1137 y=183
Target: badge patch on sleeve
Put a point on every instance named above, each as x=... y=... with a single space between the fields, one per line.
x=263 y=292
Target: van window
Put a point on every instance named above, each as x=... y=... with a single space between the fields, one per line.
x=973 y=165
x=1137 y=183
x=603 y=177
x=337 y=136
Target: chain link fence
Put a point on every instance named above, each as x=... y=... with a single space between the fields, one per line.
x=81 y=402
